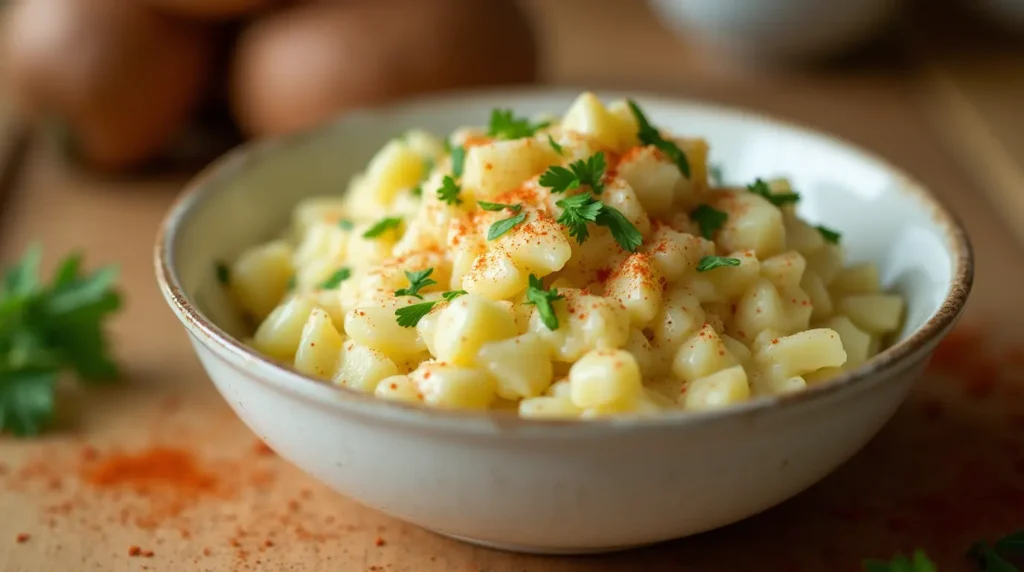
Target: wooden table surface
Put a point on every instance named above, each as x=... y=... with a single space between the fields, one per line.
x=947 y=470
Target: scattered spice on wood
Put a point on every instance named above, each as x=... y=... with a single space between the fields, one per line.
x=262 y=449
x=134 y=550
x=378 y=541
x=23 y=538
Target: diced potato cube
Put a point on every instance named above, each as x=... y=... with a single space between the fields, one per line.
x=398 y=388
x=652 y=176
x=802 y=353
x=548 y=407
x=467 y=323
x=502 y=165
x=495 y=276
x=319 y=346
x=636 y=284
x=376 y=326
x=784 y=270
x=587 y=115
x=821 y=302
x=520 y=365
x=857 y=279
x=362 y=368
x=856 y=342
x=720 y=389
x=701 y=355
x=536 y=247
x=585 y=323
x=605 y=377
x=454 y=387
x=259 y=278
x=875 y=313
x=753 y=223
x=395 y=167
x=278 y=336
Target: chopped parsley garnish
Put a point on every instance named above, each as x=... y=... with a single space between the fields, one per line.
x=543 y=299
x=828 y=234
x=648 y=135
x=382 y=226
x=759 y=187
x=449 y=296
x=223 y=273
x=417 y=281
x=588 y=171
x=336 y=278
x=919 y=562
x=577 y=212
x=458 y=160
x=291 y=283
x=428 y=168
x=709 y=219
x=345 y=224
x=715 y=175
x=48 y=330
x=498 y=206
x=504 y=225
x=449 y=191
x=505 y=125
x=580 y=210
x=554 y=145
x=711 y=262
x=409 y=316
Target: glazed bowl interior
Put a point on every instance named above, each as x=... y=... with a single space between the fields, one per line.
x=884 y=217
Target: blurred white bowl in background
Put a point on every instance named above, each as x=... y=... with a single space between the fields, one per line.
x=778 y=30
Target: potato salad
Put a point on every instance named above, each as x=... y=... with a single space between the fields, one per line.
x=578 y=267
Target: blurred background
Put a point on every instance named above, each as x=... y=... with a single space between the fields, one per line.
x=138 y=87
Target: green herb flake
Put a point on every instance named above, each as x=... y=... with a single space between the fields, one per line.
x=760 y=187
x=505 y=125
x=345 y=224
x=449 y=296
x=918 y=562
x=828 y=234
x=409 y=316
x=382 y=226
x=222 y=272
x=336 y=278
x=417 y=281
x=494 y=207
x=502 y=226
x=554 y=145
x=543 y=300
x=449 y=191
x=711 y=262
x=458 y=161
x=648 y=135
x=709 y=219
x=589 y=171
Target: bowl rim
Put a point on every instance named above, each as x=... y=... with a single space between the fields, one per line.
x=281 y=376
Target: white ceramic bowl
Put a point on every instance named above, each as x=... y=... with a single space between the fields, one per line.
x=564 y=486
x=778 y=29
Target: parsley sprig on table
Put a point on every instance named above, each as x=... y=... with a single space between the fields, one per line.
x=505 y=125
x=648 y=135
x=48 y=329
x=986 y=557
x=589 y=171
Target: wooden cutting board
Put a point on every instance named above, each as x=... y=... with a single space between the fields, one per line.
x=946 y=471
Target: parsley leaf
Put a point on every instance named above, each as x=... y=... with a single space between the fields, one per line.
x=504 y=225
x=648 y=135
x=543 y=299
x=505 y=125
x=223 y=273
x=336 y=278
x=345 y=224
x=449 y=296
x=623 y=231
x=428 y=168
x=417 y=281
x=762 y=188
x=498 y=206
x=828 y=234
x=46 y=330
x=449 y=191
x=1013 y=543
x=458 y=160
x=577 y=211
x=919 y=562
x=409 y=316
x=709 y=219
x=382 y=226
x=711 y=262
x=988 y=560
x=715 y=175
x=554 y=145
x=587 y=171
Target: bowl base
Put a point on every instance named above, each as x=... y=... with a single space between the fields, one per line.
x=544 y=550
